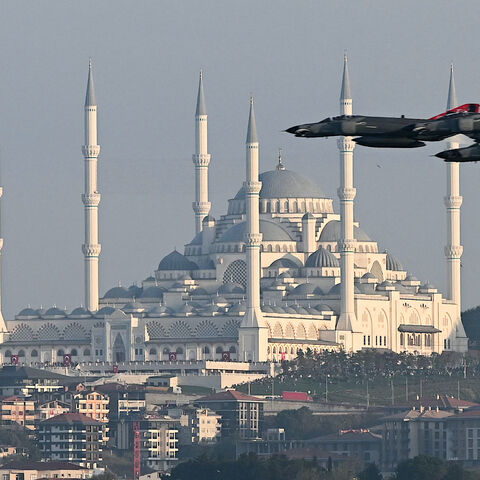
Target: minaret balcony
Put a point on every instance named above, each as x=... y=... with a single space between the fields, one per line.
x=253 y=239
x=252 y=187
x=453 y=251
x=347 y=194
x=347 y=245
x=452 y=201
x=201 y=159
x=91 y=249
x=91 y=199
x=91 y=151
x=201 y=207
x=345 y=144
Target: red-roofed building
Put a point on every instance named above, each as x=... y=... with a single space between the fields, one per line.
x=29 y=470
x=242 y=415
x=72 y=437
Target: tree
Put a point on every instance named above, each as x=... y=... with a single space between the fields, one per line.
x=421 y=468
x=371 y=472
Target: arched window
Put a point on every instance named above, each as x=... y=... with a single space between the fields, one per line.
x=34 y=353
x=8 y=353
x=219 y=350
x=274 y=349
x=86 y=352
x=74 y=352
x=268 y=350
x=232 y=349
x=60 y=353
x=179 y=351
x=206 y=350
x=166 y=351
x=153 y=351
x=21 y=353
x=292 y=351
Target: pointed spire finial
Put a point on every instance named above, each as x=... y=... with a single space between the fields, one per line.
x=201 y=108
x=90 y=99
x=452 y=101
x=280 y=165
x=345 y=92
x=252 y=125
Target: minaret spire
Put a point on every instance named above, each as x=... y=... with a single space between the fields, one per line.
x=3 y=326
x=346 y=194
x=91 y=198
x=201 y=159
x=253 y=332
x=453 y=202
x=452 y=101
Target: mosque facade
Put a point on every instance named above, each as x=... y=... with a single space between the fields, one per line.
x=279 y=272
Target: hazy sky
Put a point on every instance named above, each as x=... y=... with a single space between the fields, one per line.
x=147 y=55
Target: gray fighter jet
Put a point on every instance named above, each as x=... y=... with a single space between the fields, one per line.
x=401 y=132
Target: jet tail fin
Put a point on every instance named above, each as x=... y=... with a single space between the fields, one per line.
x=465 y=108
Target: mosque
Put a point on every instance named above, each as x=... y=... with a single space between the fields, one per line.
x=279 y=272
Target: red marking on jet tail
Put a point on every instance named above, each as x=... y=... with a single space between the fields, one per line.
x=466 y=108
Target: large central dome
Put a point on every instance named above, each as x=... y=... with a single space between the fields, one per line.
x=285 y=184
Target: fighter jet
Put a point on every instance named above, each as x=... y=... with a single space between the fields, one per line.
x=399 y=132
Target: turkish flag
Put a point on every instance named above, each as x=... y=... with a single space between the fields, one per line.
x=67 y=360
x=226 y=356
x=172 y=356
x=14 y=359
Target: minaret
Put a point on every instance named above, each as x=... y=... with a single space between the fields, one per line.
x=91 y=198
x=346 y=194
x=453 y=202
x=3 y=326
x=201 y=159
x=253 y=332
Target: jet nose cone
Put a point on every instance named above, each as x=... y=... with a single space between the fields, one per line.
x=292 y=129
x=449 y=155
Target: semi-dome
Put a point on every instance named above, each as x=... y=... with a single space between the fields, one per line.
x=199 y=291
x=135 y=290
x=332 y=233
x=285 y=184
x=132 y=307
x=176 y=261
x=284 y=263
x=393 y=264
x=105 y=311
x=305 y=289
x=160 y=311
x=118 y=292
x=26 y=314
x=230 y=288
x=322 y=258
x=272 y=232
x=55 y=312
x=336 y=289
x=237 y=309
x=80 y=312
x=153 y=292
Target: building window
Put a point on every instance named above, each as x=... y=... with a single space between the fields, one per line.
x=60 y=353
x=153 y=351
x=74 y=352
x=34 y=353
x=86 y=352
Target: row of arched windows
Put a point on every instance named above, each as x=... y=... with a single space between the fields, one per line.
x=34 y=353
x=179 y=350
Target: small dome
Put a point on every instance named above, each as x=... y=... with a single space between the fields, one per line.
x=118 y=292
x=366 y=288
x=369 y=276
x=237 y=309
x=428 y=288
x=324 y=308
x=331 y=233
x=210 y=309
x=149 y=279
x=304 y=289
x=80 y=312
x=104 y=311
x=393 y=264
x=284 y=263
x=160 y=311
x=271 y=232
x=336 y=289
x=322 y=258
x=219 y=300
x=135 y=290
x=26 y=314
x=277 y=309
x=311 y=311
x=285 y=184
x=54 y=312
x=267 y=309
x=133 y=308
x=288 y=309
x=230 y=288
x=184 y=310
x=300 y=310
x=198 y=292
x=176 y=261
x=184 y=277
x=153 y=292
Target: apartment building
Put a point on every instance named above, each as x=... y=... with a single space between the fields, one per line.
x=72 y=437
x=19 y=410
